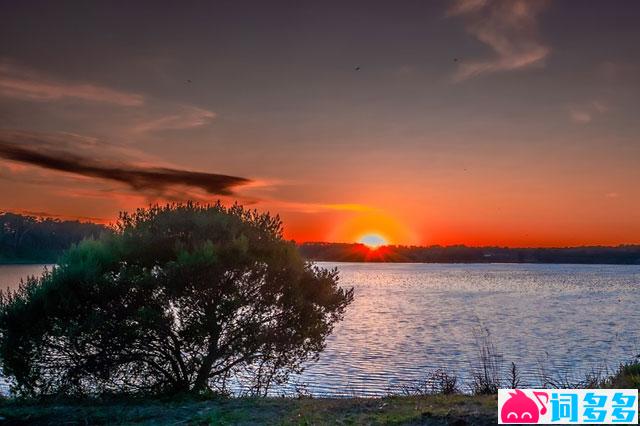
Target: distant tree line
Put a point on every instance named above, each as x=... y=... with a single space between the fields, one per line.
x=26 y=238
x=338 y=252
x=42 y=240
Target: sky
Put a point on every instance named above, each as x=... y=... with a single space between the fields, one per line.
x=476 y=122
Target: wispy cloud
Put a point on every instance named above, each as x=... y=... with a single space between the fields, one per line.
x=585 y=113
x=37 y=151
x=185 y=117
x=509 y=28
x=580 y=116
x=120 y=113
x=22 y=83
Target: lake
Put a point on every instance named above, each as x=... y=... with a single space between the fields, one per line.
x=410 y=319
x=10 y=275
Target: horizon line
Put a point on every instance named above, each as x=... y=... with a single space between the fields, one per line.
x=461 y=245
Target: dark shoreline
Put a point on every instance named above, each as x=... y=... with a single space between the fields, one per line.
x=427 y=409
x=359 y=253
x=596 y=255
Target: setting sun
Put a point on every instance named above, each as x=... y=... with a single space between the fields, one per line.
x=372 y=240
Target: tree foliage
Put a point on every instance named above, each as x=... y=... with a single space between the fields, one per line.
x=33 y=239
x=181 y=298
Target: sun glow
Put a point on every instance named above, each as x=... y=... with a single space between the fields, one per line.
x=372 y=241
x=357 y=226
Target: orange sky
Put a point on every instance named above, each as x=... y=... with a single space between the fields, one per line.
x=463 y=122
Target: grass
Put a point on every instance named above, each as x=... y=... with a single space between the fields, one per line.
x=432 y=406
x=397 y=410
x=413 y=408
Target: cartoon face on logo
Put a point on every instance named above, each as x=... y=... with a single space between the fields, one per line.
x=519 y=408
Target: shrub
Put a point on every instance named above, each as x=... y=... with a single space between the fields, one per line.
x=486 y=373
x=437 y=382
x=514 y=376
x=627 y=376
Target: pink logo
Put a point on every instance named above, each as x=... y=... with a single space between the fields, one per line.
x=519 y=408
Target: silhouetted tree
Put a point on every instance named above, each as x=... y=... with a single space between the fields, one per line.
x=180 y=298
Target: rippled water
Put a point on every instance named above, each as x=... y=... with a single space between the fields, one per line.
x=10 y=275
x=409 y=319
